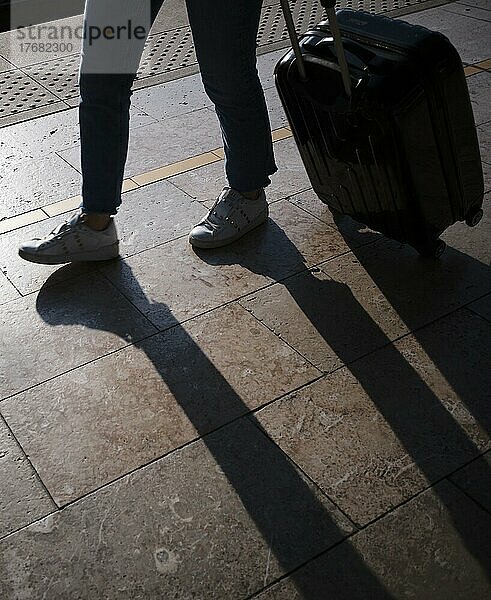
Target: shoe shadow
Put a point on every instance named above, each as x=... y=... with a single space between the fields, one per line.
x=278 y=499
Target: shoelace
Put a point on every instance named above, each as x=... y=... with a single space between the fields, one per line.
x=222 y=199
x=62 y=228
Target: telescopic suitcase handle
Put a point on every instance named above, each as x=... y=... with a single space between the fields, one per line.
x=336 y=34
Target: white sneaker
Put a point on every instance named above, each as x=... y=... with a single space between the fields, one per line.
x=72 y=241
x=231 y=217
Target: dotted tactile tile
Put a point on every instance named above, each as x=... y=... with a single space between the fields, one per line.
x=19 y=93
x=59 y=76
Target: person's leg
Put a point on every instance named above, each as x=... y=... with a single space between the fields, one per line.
x=106 y=75
x=225 y=36
x=107 y=69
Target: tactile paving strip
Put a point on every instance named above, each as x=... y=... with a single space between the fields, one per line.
x=18 y=93
x=165 y=52
x=59 y=76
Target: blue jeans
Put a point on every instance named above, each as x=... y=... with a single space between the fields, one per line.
x=224 y=33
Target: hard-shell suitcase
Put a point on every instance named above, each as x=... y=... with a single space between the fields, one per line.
x=381 y=114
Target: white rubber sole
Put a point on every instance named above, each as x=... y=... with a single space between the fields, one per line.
x=262 y=218
x=105 y=253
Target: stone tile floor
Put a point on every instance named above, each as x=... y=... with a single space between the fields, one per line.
x=302 y=415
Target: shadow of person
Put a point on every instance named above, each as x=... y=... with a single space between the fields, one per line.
x=433 y=440
x=288 y=512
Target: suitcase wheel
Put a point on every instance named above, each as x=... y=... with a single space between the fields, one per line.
x=432 y=249
x=473 y=217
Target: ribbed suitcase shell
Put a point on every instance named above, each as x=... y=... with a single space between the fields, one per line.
x=402 y=156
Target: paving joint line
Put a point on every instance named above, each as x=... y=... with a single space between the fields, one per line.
x=355 y=533
x=23 y=452
x=475 y=313
x=263 y=324
x=252 y=418
x=21 y=295
x=323 y=374
x=167 y=171
x=170 y=452
x=158 y=331
x=467 y=493
x=248 y=414
x=19 y=529
x=235 y=300
x=59 y=510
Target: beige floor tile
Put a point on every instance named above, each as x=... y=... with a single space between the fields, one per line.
x=52 y=107
x=376 y=433
x=62 y=327
x=331 y=320
x=7 y=290
x=170 y=16
x=202 y=184
x=431 y=548
x=128 y=185
x=63 y=206
x=266 y=64
x=12 y=44
x=486 y=64
x=184 y=136
x=473 y=242
x=240 y=517
x=181 y=167
x=484 y=135
x=174 y=98
x=281 y=133
x=475 y=480
x=148 y=217
x=291 y=176
x=150 y=400
x=309 y=201
x=357 y=233
x=486 y=169
x=205 y=183
x=481 y=14
x=479 y=86
x=31 y=184
x=469 y=36
x=23 y=498
x=155 y=214
x=418 y=290
x=27 y=218
x=192 y=282
x=38 y=137
x=276 y=112
x=5 y=65
x=171 y=282
x=303 y=236
x=476 y=3
x=471 y=70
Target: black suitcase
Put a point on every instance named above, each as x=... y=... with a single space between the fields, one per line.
x=381 y=114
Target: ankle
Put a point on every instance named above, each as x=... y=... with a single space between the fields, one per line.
x=96 y=221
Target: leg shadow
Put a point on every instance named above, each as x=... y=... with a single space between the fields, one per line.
x=435 y=442
x=283 y=507
x=416 y=289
